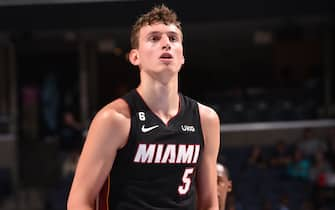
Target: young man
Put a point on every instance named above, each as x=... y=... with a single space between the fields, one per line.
x=153 y=148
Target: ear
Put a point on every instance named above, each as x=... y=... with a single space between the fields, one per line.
x=134 y=57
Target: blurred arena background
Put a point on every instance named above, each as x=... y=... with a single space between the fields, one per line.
x=267 y=67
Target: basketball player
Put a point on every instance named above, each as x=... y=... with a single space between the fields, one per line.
x=224 y=185
x=153 y=148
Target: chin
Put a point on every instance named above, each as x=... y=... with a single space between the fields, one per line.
x=171 y=67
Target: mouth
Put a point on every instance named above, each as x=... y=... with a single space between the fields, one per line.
x=166 y=56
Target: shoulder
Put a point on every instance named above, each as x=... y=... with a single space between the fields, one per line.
x=208 y=115
x=210 y=125
x=112 y=121
x=116 y=111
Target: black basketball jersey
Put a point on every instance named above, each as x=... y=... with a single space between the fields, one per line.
x=156 y=169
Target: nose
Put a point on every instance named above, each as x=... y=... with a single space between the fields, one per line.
x=165 y=42
x=167 y=47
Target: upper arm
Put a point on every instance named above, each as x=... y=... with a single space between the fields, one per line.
x=207 y=177
x=107 y=133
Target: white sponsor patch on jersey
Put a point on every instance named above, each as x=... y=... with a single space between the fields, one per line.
x=187 y=128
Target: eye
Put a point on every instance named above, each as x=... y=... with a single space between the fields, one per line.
x=154 y=38
x=173 y=38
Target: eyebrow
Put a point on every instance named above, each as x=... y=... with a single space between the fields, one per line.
x=159 y=33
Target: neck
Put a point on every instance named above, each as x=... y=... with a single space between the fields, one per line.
x=161 y=98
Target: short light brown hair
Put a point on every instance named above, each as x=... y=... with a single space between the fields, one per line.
x=158 y=14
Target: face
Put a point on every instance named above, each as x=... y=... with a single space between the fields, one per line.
x=160 y=49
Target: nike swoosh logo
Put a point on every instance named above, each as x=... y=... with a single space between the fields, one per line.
x=145 y=130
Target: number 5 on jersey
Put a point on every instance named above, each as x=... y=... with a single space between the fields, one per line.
x=185 y=186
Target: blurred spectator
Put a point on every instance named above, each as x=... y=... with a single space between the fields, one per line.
x=310 y=144
x=71 y=133
x=224 y=185
x=50 y=98
x=319 y=169
x=280 y=157
x=70 y=164
x=307 y=205
x=256 y=158
x=283 y=202
x=299 y=167
x=267 y=205
x=330 y=152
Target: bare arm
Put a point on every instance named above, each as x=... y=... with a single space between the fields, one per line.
x=207 y=177
x=108 y=132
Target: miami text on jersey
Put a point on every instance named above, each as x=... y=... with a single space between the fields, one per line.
x=167 y=153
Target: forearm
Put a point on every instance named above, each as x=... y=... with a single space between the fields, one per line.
x=77 y=201
x=79 y=206
x=208 y=206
